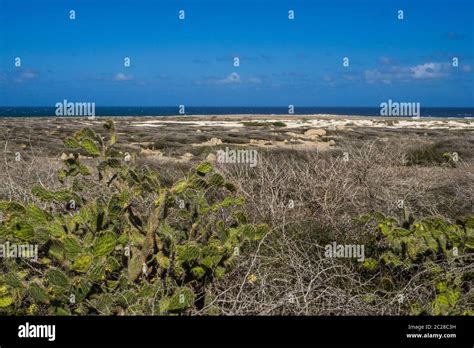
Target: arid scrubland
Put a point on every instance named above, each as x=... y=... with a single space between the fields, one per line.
x=403 y=195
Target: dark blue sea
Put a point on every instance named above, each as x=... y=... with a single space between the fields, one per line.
x=170 y=111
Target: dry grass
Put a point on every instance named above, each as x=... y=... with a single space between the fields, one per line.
x=308 y=198
x=292 y=274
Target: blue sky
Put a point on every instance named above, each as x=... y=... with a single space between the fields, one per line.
x=282 y=61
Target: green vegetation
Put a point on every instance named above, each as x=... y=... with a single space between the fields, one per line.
x=279 y=124
x=430 y=247
x=261 y=124
x=116 y=237
x=254 y=124
x=430 y=155
x=114 y=240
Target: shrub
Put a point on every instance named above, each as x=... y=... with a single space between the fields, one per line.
x=429 y=155
x=279 y=124
x=112 y=254
x=254 y=124
x=261 y=124
x=428 y=246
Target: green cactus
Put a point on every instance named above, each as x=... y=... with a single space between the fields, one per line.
x=114 y=253
x=71 y=143
x=90 y=147
x=429 y=244
x=38 y=293
x=58 y=278
x=105 y=243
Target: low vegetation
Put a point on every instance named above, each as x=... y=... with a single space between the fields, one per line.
x=122 y=234
x=262 y=124
x=114 y=253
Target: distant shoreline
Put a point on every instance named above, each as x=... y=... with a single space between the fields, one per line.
x=246 y=116
x=194 y=111
x=238 y=121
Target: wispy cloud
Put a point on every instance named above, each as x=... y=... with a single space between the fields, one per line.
x=163 y=77
x=430 y=70
x=387 y=61
x=231 y=79
x=123 y=77
x=387 y=73
x=255 y=80
x=25 y=76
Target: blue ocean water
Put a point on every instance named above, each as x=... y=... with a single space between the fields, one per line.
x=196 y=110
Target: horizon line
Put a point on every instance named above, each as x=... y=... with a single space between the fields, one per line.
x=224 y=106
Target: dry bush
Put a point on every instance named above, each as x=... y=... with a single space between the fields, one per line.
x=310 y=199
x=288 y=273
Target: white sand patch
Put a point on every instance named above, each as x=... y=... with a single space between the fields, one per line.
x=143 y=124
x=159 y=123
x=331 y=123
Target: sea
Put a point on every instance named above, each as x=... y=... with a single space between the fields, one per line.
x=445 y=112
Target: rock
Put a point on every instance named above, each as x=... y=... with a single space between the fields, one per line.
x=187 y=156
x=213 y=142
x=315 y=132
x=211 y=158
x=260 y=142
x=149 y=152
x=332 y=142
x=65 y=156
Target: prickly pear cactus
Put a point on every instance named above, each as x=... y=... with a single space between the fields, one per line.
x=431 y=246
x=109 y=253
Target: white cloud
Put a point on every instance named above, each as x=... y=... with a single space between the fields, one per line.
x=25 y=76
x=387 y=74
x=428 y=71
x=255 y=80
x=384 y=76
x=385 y=61
x=123 y=77
x=28 y=75
x=233 y=78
